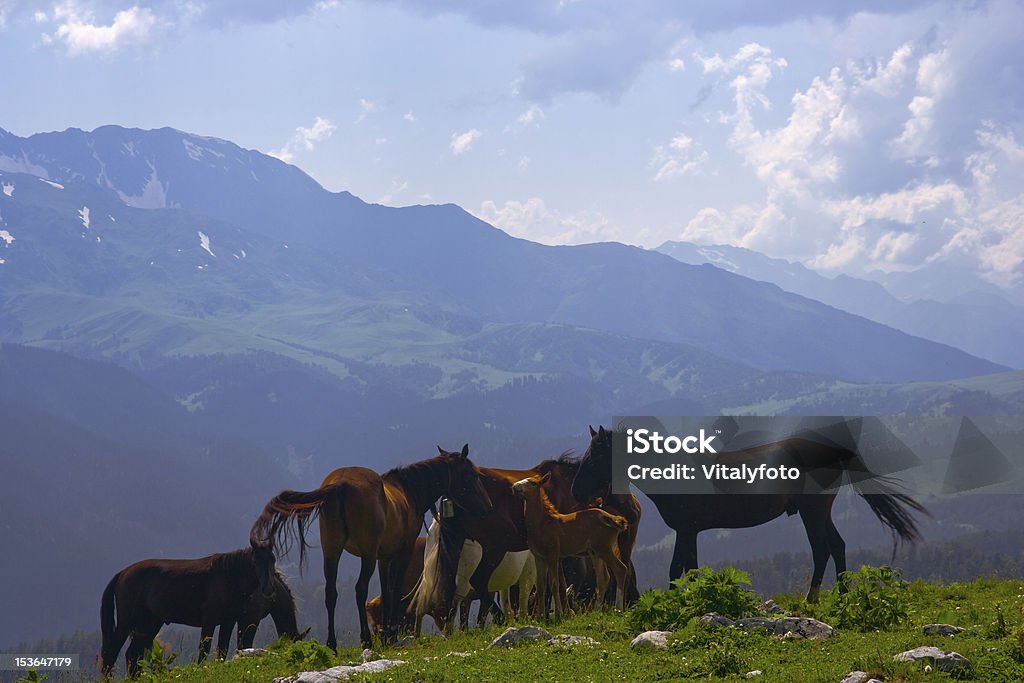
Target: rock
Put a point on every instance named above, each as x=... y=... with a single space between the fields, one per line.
x=944 y=660
x=251 y=652
x=367 y=656
x=651 y=639
x=337 y=673
x=565 y=640
x=859 y=677
x=457 y=654
x=942 y=630
x=516 y=636
x=770 y=607
x=754 y=673
x=405 y=642
x=716 y=619
x=786 y=627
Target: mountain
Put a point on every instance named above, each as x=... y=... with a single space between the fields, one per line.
x=242 y=251
x=980 y=321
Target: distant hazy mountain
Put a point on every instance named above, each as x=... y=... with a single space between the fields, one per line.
x=255 y=254
x=980 y=321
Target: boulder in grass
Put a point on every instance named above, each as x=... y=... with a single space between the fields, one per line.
x=657 y=640
x=942 y=630
x=943 y=660
x=859 y=677
x=339 y=673
x=251 y=652
x=517 y=636
x=786 y=627
x=563 y=640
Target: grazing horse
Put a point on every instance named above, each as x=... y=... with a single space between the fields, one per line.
x=503 y=530
x=375 y=517
x=689 y=514
x=280 y=606
x=553 y=535
x=208 y=592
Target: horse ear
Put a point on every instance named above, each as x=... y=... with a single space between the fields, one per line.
x=592 y=432
x=600 y=431
x=440 y=450
x=545 y=478
x=465 y=450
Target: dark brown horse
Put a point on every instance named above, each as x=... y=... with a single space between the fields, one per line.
x=689 y=514
x=208 y=592
x=375 y=611
x=375 y=517
x=280 y=607
x=503 y=530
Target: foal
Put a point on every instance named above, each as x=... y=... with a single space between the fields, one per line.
x=552 y=535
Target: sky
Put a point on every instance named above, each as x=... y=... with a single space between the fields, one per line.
x=850 y=136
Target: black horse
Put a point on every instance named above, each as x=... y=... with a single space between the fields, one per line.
x=689 y=514
x=207 y=592
x=280 y=607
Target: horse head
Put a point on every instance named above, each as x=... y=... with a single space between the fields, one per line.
x=464 y=485
x=595 y=472
x=529 y=486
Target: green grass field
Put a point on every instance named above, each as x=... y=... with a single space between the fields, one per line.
x=994 y=646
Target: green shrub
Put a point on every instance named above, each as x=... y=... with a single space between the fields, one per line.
x=875 y=599
x=701 y=591
x=723 y=659
x=305 y=655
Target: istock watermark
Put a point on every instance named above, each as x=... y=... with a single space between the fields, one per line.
x=816 y=455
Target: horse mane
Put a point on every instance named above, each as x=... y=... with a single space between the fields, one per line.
x=568 y=459
x=230 y=560
x=549 y=509
x=414 y=475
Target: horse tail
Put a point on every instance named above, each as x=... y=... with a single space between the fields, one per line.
x=288 y=515
x=893 y=509
x=107 y=622
x=425 y=595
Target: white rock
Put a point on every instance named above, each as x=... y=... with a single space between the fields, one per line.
x=651 y=639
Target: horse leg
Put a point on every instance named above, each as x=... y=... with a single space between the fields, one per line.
x=480 y=580
x=362 y=587
x=205 y=639
x=601 y=576
x=816 y=524
x=620 y=571
x=837 y=548
x=558 y=578
x=542 y=586
x=506 y=602
x=387 y=570
x=684 y=555
x=224 y=639
x=113 y=649
x=142 y=640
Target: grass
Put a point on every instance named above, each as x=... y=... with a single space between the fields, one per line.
x=994 y=644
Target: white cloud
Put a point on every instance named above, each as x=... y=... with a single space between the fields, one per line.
x=409 y=117
x=533 y=220
x=463 y=142
x=678 y=158
x=366 y=107
x=305 y=139
x=79 y=33
x=531 y=117
x=676 y=64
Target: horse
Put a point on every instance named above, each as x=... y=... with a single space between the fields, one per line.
x=376 y=518
x=280 y=606
x=689 y=514
x=553 y=535
x=515 y=569
x=374 y=609
x=503 y=530
x=205 y=592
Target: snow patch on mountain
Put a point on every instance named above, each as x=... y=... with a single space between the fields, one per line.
x=154 y=194
x=7 y=237
x=8 y=189
x=204 y=242
x=83 y=215
x=22 y=165
x=197 y=152
x=718 y=258
x=52 y=184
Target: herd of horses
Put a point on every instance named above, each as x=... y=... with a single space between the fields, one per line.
x=556 y=525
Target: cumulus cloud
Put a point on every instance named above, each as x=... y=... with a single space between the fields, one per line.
x=305 y=139
x=533 y=220
x=678 y=158
x=463 y=142
x=79 y=33
x=891 y=163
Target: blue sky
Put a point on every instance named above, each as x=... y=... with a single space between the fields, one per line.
x=846 y=135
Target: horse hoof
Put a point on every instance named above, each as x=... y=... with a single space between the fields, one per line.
x=813 y=594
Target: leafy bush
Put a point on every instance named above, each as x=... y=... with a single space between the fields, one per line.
x=875 y=599
x=305 y=655
x=723 y=658
x=701 y=591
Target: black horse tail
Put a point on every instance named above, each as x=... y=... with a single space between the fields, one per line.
x=894 y=510
x=107 y=623
x=287 y=516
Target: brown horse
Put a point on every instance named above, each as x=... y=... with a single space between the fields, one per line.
x=375 y=517
x=689 y=514
x=552 y=535
x=503 y=530
x=208 y=592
